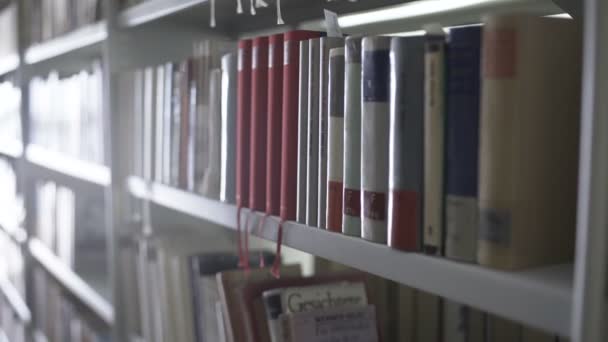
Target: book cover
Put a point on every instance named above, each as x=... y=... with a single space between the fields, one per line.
x=312 y=142
x=374 y=139
x=274 y=124
x=406 y=174
x=335 y=140
x=259 y=118
x=243 y=122
x=351 y=219
x=325 y=45
x=289 y=137
x=228 y=135
x=530 y=114
x=462 y=142
x=302 y=131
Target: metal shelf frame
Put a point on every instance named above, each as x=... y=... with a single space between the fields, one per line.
x=566 y=299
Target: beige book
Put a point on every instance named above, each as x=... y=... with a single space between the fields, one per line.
x=530 y=112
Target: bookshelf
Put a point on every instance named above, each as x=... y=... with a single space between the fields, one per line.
x=563 y=299
x=16 y=302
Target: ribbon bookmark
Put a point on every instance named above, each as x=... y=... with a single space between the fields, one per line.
x=258 y=232
x=238 y=236
x=276 y=266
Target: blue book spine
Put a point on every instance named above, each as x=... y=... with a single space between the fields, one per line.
x=462 y=142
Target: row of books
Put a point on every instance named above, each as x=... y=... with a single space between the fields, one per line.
x=8 y=27
x=67 y=115
x=178 y=293
x=52 y=18
x=72 y=226
x=10 y=115
x=59 y=319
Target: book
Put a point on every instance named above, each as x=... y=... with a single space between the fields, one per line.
x=462 y=323
x=274 y=124
x=434 y=122
x=228 y=135
x=312 y=165
x=533 y=335
x=303 y=75
x=428 y=317
x=259 y=118
x=243 y=122
x=212 y=178
x=462 y=142
x=348 y=324
x=159 y=124
x=406 y=173
x=499 y=329
x=176 y=165
x=168 y=124
x=374 y=138
x=325 y=45
x=182 y=112
x=351 y=219
x=530 y=113
x=289 y=140
x=149 y=123
x=335 y=140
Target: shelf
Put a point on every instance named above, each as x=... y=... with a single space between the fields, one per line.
x=68 y=52
x=11 y=149
x=16 y=302
x=526 y=296
x=151 y=10
x=47 y=164
x=71 y=282
x=8 y=64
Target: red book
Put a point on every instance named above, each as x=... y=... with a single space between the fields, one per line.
x=243 y=121
x=259 y=118
x=275 y=116
x=289 y=137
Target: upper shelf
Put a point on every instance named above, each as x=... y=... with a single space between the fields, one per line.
x=8 y=64
x=525 y=296
x=68 y=52
x=66 y=170
x=11 y=149
x=72 y=283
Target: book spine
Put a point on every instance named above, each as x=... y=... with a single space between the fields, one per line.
x=229 y=99
x=243 y=121
x=351 y=219
x=159 y=132
x=433 y=143
x=462 y=143
x=335 y=140
x=374 y=139
x=211 y=180
x=259 y=117
x=302 y=131
x=149 y=120
x=326 y=44
x=274 y=124
x=167 y=123
x=289 y=140
x=194 y=122
x=312 y=141
x=461 y=323
x=184 y=123
x=176 y=123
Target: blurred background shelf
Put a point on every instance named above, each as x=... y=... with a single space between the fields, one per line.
x=16 y=302
x=11 y=149
x=8 y=64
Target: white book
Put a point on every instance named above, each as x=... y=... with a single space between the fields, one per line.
x=228 y=132
x=65 y=215
x=325 y=45
x=302 y=132
x=312 y=167
x=167 y=122
x=159 y=94
x=375 y=138
x=351 y=219
x=335 y=140
x=149 y=107
x=211 y=180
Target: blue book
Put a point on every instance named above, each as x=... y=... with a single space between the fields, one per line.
x=462 y=142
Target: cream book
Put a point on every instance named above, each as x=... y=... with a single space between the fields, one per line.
x=530 y=113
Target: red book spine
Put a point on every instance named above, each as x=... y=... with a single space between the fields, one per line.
x=243 y=120
x=259 y=118
x=275 y=116
x=406 y=206
x=289 y=137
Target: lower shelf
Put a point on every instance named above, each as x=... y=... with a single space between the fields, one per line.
x=539 y=297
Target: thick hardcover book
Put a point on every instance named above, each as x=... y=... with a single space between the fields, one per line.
x=302 y=131
x=462 y=142
x=434 y=117
x=335 y=139
x=326 y=44
x=275 y=116
x=351 y=219
x=243 y=122
x=374 y=139
x=289 y=140
x=211 y=180
x=259 y=117
x=312 y=155
x=406 y=143
x=530 y=114
x=228 y=148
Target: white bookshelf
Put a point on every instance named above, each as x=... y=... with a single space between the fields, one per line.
x=564 y=299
